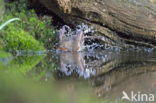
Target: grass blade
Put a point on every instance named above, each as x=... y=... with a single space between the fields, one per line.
x=8 y=22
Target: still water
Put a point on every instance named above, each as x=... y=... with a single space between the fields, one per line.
x=101 y=74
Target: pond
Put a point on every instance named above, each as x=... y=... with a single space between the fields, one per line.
x=103 y=75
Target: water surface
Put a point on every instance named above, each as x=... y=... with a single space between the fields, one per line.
x=105 y=74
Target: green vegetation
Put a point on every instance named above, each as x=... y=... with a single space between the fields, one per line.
x=17 y=39
x=31 y=33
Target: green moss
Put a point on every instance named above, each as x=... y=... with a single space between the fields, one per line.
x=17 y=39
x=39 y=28
x=21 y=35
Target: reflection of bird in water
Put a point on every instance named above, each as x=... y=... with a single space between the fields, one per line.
x=88 y=64
x=83 y=63
x=74 y=62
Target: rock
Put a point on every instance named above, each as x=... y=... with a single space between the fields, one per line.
x=130 y=21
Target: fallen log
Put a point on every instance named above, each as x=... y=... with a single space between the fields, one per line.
x=130 y=21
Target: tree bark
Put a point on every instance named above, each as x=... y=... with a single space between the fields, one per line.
x=132 y=21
